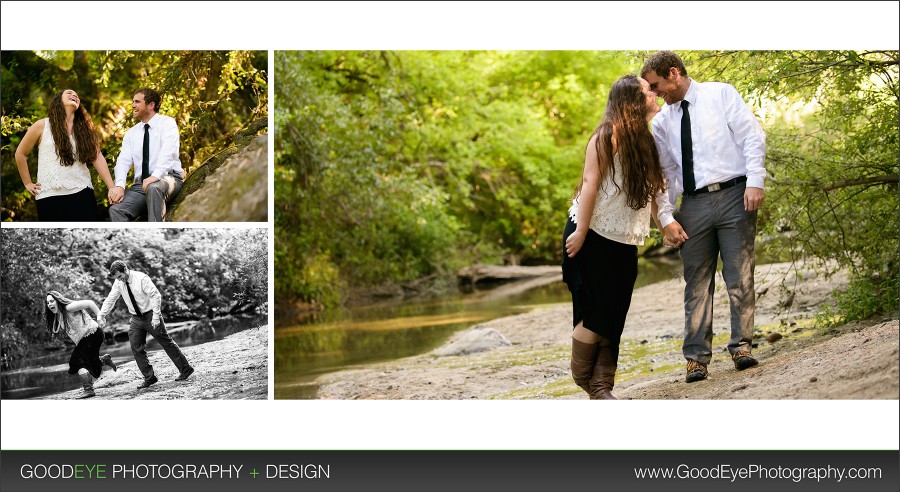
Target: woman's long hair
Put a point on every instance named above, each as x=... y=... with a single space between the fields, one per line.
x=626 y=118
x=87 y=144
x=61 y=318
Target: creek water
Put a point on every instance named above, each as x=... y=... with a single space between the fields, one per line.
x=344 y=338
x=48 y=374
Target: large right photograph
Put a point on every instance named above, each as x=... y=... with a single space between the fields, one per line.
x=647 y=225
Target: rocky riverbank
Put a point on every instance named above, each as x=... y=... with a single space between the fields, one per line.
x=235 y=367
x=527 y=356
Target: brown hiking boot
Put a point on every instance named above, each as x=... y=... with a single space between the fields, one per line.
x=696 y=371
x=742 y=360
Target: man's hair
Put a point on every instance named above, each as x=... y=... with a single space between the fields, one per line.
x=117 y=266
x=661 y=61
x=150 y=96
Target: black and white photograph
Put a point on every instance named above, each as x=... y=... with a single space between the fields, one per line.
x=120 y=314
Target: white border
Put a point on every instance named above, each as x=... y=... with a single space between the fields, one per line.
x=277 y=424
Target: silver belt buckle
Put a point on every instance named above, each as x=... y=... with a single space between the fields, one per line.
x=714 y=187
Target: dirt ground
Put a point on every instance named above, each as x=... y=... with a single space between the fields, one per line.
x=235 y=367
x=798 y=360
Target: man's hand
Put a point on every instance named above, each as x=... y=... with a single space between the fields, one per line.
x=116 y=194
x=753 y=198
x=101 y=321
x=674 y=236
x=155 y=322
x=147 y=182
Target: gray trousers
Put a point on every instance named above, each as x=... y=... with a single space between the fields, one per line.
x=717 y=224
x=151 y=204
x=137 y=335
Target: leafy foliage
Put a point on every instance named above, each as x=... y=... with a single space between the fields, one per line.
x=211 y=94
x=396 y=165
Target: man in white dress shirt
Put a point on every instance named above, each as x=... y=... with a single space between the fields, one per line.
x=144 y=302
x=151 y=147
x=712 y=150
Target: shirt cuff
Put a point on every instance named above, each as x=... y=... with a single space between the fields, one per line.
x=754 y=182
x=158 y=174
x=665 y=219
x=122 y=183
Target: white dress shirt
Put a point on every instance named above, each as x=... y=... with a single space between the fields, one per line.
x=164 y=145
x=145 y=293
x=726 y=139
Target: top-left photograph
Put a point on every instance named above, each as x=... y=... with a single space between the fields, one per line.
x=124 y=136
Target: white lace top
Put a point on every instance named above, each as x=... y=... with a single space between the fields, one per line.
x=612 y=217
x=80 y=325
x=56 y=179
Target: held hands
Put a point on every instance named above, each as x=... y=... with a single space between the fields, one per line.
x=101 y=321
x=147 y=182
x=753 y=198
x=574 y=242
x=155 y=322
x=116 y=194
x=674 y=236
x=33 y=188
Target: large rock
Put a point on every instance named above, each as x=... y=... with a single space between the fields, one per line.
x=231 y=189
x=474 y=340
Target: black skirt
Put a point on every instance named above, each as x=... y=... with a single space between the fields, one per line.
x=601 y=279
x=77 y=207
x=87 y=354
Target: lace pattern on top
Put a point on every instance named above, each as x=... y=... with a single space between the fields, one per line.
x=80 y=326
x=56 y=179
x=612 y=218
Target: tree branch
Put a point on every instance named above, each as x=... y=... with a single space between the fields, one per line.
x=890 y=178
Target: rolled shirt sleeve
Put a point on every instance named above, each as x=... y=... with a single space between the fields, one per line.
x=748 y=135
x=154 y=295
x=169 y=148
x=665 y=200
x=110 y=302
x=124 y=161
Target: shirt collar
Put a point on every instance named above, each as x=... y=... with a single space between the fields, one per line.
x=152 y=119
x=691 y=95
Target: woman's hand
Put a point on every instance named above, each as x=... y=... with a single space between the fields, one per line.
x=574 y=242
x=33 y=188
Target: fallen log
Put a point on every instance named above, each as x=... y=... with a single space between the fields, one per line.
x=479 y=273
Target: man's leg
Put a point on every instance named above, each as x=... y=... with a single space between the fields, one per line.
x=169 y=345
x=699 y=255
x=159 y=194
x=737 y=233
x=137 y=336
x=132 y=207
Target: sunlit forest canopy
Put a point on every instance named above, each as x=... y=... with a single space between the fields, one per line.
x=211 y=94
x=395 y=166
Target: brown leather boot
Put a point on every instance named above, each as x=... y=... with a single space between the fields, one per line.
x=87 y=384
x=583 y=357
x=603 y=379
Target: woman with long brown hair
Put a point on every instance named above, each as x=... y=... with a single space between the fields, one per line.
x=67 y=142
x=609 y=218
x=72 y=317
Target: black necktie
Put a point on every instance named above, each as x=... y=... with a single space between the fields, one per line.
x=145 y=167
x=687 y=150
x=134 y=303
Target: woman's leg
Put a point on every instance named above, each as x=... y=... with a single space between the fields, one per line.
x=87 y=383
x=584 y=355
x=604 y=374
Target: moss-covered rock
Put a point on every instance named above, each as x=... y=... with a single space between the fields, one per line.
x=231 y=186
